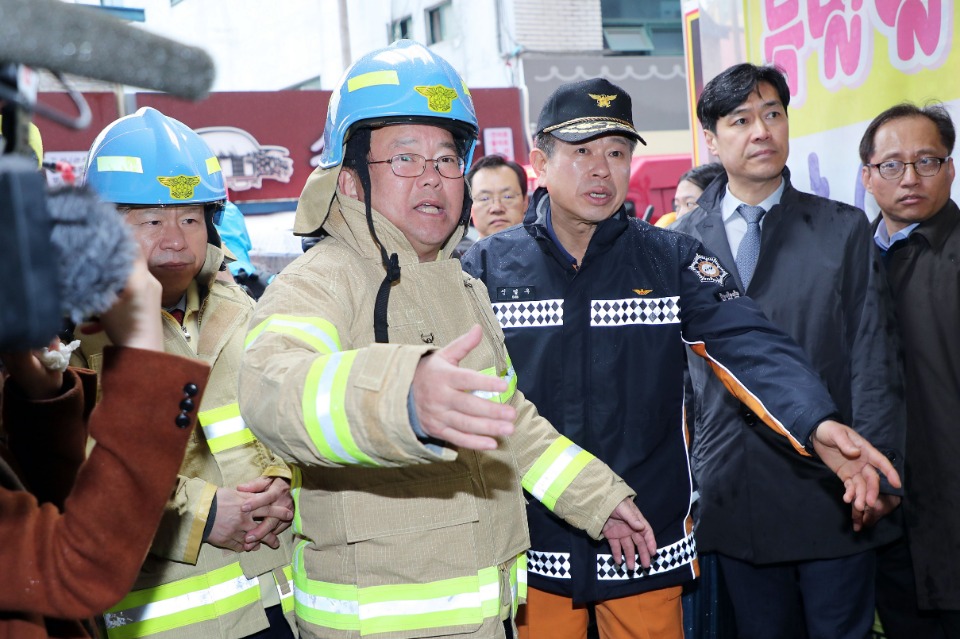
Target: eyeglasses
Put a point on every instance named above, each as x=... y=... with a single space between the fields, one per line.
x=925 y=167
x=486 y=200
x=412 y=165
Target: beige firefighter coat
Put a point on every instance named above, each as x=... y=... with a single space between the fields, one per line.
x=396 y=538
x=186 y=588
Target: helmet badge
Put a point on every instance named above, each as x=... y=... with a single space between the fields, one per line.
x=439 y=97
x=181 y=187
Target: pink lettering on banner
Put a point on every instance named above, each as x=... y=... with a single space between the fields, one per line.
x=842 y=33
x=847 y=42
x=784 y=43
x=918 y=31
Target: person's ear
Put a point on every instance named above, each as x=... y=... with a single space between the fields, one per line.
x=349 y=184
x=711 y=139
x=538 y=160
x=865 y=179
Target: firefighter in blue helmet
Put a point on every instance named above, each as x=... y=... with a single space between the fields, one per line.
x=219 y=564
x=376 y=368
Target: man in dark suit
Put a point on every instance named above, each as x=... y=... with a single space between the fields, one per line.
x=908 y=169
x=793 y=561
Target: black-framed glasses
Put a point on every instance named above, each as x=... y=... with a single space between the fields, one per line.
x=925 y=167
x=412 y=165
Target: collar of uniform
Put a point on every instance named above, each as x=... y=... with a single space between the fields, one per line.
x=211 y=265
x=348 y=223
x=605 y=234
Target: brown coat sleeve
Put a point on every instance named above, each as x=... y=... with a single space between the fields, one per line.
x=80 y=562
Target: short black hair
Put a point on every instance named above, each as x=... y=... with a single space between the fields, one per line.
x=732 y=87
x=936 y=113
x=495 y=162
x=702 y=175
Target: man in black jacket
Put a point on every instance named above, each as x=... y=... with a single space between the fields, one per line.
x=793 y=564
x=596 y=308
x=908 y=169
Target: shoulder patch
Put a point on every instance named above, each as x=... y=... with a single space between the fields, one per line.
x=708 y=269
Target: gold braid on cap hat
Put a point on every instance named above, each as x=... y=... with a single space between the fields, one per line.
x=583 y=124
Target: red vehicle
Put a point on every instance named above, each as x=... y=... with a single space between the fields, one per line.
x=653 y=182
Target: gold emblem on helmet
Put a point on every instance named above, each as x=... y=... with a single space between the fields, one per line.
x=439 y=97
x=181 y=187
x=603 y=101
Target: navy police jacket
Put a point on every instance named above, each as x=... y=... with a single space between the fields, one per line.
x=599 y=350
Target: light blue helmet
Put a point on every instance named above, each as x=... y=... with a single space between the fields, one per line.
x=150 y=159
x=402 y=83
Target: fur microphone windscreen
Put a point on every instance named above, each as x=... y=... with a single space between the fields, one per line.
x=95 y=250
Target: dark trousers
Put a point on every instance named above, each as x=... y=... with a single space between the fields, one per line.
x=279 y=628
x=897 y=599
x=822 y=599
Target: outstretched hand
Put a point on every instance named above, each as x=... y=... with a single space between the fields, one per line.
x=856 y=462
x=629 y=535
x=445 y=405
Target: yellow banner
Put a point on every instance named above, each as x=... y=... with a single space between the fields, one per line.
x=848 y=60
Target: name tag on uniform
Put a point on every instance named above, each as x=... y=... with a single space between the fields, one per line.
x=515 y=293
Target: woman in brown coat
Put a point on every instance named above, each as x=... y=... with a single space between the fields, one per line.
x=73 y=534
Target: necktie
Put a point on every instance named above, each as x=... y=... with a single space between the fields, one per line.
x=177 y=315
x=749 y=249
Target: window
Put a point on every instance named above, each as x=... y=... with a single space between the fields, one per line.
x=645 y=27
x=401 y=29
x=439 y=23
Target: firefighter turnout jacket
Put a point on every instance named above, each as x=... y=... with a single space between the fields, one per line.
x=187 y=588
x=398 y=537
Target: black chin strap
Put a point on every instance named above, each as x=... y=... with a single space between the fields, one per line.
x=391 y=264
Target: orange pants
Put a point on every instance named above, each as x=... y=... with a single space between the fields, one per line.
x=651 y=615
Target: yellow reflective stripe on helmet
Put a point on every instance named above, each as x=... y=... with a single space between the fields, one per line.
x=213 y=165
x=123 y=163
x=318 y=333
x=372 y=79
x=324 y=409
x=182 y=603
x=394 y=608
x=224 y=428
x=509 y=375
x=554 y=470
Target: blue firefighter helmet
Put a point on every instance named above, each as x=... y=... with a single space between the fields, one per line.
x=149 y=159
x=402 y=83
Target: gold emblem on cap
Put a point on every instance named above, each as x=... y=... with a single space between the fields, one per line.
x=439 y=97
x=181 y=187
x=603 y=101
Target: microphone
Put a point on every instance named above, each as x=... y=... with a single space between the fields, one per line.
x=74 y=39
x=94 y=248
x=62 y=254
